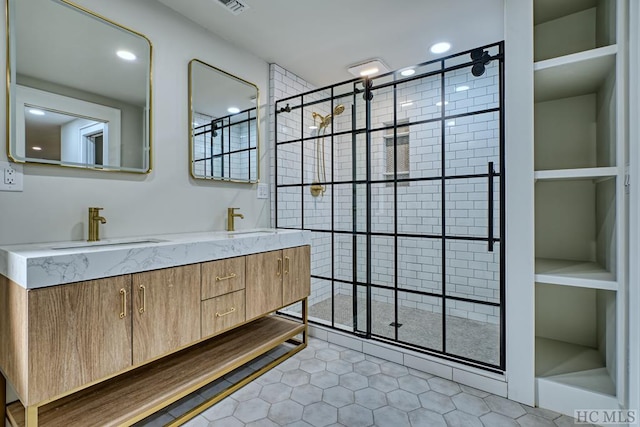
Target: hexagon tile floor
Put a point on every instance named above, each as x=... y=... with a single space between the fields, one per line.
x=329 y=385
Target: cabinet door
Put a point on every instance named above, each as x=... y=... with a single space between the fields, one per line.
x=166 y=311
x=78 y=333
x=263 y=283
x=296 y=279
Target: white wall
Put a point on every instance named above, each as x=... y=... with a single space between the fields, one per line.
x=519 y=199
x=634 y=207
x=54 y=203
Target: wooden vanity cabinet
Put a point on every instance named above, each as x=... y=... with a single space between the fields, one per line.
x=276 y=279
x=77 y=334
x=110 y=341
x=166 y=311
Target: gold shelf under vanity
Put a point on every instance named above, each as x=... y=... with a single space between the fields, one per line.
x=129 y=398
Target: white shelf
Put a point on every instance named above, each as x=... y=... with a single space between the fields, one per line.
x=557 y=396
x=573 y=75
x=573 y=365
x=548 y=10
x=557 y=358
x=574 y=273
x=579 y=173
x=570 y=376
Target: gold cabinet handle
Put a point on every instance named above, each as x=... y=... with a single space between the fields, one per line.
x=143 y=294
x=230 y=276
x=286 y=265
x=123 y=313
x=279 y=270
x=233 y=309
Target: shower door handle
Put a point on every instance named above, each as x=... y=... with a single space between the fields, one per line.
x=490 y=239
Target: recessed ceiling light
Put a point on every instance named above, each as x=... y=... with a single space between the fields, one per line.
x=126 y=55
x=461 y=88
x=313 y=127
x=451 y=123
x=35 y=148
x=406 y=104
x=368 y=68
x=439 y=103
x=408 y=72
x=441 y=47
x=233 y=110
x=36 y=112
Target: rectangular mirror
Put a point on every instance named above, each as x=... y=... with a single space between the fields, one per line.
x=79 y=88
x=223 y=117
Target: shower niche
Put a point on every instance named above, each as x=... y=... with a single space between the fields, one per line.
x=400 y=181
x=579 y=203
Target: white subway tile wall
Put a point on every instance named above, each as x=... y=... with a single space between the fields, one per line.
x=235 y=137
x=201 y=150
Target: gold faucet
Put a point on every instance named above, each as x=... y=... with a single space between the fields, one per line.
x=94 y=224
x=231 y=215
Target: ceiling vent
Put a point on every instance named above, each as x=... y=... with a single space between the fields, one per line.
x=234 y=6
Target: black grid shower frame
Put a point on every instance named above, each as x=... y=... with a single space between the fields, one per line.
x=364 y=87
x=222 y=124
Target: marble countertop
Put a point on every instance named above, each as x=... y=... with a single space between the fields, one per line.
x=46 y=264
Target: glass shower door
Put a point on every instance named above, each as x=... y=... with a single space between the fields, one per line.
x=408 y=235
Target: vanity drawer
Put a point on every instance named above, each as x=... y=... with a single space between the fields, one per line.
x=223 y=312
x=223 y=276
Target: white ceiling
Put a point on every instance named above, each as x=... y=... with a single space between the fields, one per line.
x=318 y=40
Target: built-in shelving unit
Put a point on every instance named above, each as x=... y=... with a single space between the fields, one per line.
x=578 y=153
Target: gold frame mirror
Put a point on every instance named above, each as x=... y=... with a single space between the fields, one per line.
x=78 y=88
x=224 y=137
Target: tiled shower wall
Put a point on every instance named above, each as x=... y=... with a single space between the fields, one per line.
x=235 y=167
x=201 y=149
x=472 y=142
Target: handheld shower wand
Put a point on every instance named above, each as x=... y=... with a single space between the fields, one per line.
x=318 y=189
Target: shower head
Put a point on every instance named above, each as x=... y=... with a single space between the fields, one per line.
x=326 y=120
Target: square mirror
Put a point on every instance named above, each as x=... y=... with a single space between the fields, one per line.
x=79 y=88
x=223 y=130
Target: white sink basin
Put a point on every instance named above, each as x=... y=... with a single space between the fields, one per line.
x=99 y=244
x=256 y=231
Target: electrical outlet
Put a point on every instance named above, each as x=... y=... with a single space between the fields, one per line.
x=263 y=191
x=10 y=177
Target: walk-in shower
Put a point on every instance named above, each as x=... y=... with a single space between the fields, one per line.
x=408 y=234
